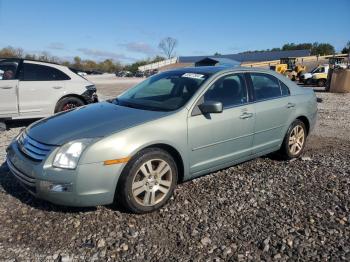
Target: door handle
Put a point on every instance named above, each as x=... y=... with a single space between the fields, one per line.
x=290 y=105
x=246 y=115
x=57 y=87
x=6 y=87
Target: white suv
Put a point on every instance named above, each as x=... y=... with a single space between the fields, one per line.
x=34 y=89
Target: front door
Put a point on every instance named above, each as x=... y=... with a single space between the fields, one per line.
x=8 y=88
x=218 y=139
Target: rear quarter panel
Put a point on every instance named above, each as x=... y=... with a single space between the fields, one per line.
x=306 y=102
x=304 y=99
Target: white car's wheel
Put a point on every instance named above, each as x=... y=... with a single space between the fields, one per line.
x=68 y=103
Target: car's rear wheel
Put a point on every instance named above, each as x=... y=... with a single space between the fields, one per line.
x=294 y=141
x=148 y=181
x=68 y=103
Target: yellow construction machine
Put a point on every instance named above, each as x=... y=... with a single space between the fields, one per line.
x=289 y=68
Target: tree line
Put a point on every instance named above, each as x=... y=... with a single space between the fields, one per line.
x=87 y=65
x=315 y=48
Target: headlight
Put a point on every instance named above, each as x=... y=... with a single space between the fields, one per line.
x=91 y=88
x=68 y=155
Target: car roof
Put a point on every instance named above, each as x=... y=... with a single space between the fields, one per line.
x=211 y=70
x=15 y=59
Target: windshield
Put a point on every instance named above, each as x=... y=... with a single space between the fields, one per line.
x=166 y=91
x=318 y=69
x=314 y=69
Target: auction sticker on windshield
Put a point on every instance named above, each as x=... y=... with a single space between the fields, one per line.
x=193 y=75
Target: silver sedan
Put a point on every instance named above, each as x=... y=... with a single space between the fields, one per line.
x=174 y=126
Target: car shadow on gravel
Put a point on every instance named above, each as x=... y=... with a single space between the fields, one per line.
x=19 y=123
x=11 y=186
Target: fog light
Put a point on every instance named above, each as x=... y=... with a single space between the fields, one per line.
x=60 y=188
x=53 y=187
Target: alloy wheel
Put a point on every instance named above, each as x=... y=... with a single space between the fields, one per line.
x=296 y=140
x=69 y=106
x=152 y=182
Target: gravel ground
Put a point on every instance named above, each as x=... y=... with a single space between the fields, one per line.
x=265 y=209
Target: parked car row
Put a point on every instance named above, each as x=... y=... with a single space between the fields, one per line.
x=136 y=74
x=34 y=89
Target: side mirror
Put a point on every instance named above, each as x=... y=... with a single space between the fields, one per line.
x=211 y=107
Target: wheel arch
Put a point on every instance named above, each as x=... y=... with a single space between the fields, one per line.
x=172 y=151
x=175 y=154
x=306 y=122
x=70 y=95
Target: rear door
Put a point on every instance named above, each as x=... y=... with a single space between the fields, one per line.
x=40 y=88
x=273 y=108
x=8 y=88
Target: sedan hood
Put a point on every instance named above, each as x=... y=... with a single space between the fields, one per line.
x=95 y=120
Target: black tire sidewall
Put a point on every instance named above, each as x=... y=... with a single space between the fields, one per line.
x=285 y=146
x=124 y=192
x=321 y=83
x=66 y=100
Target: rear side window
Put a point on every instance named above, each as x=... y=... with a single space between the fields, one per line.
x=34 y=72
x=230 y=90
x=265 y=86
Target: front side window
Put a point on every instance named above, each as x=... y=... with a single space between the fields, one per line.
x=265 y=86
x=34 y=72
x=230 y=90
x=8 y=69
x=163 y=92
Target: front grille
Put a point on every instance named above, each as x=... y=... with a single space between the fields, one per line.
x=27 y=181
x=33 y=149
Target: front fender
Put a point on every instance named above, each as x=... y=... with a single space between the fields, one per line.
x=170 y=130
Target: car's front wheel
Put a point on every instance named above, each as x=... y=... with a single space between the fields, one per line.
x=148 y=181
x=294 y=141
x=68 y=103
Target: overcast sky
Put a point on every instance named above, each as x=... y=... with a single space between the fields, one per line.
x=129 y=30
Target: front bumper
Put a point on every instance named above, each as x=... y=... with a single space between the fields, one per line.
x=90 y=96
x=88 y=185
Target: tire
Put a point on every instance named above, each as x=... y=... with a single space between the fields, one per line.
x=308 y=81
x=293 y=147
x=321 y=82
x=68 y=103
x=140 y=194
